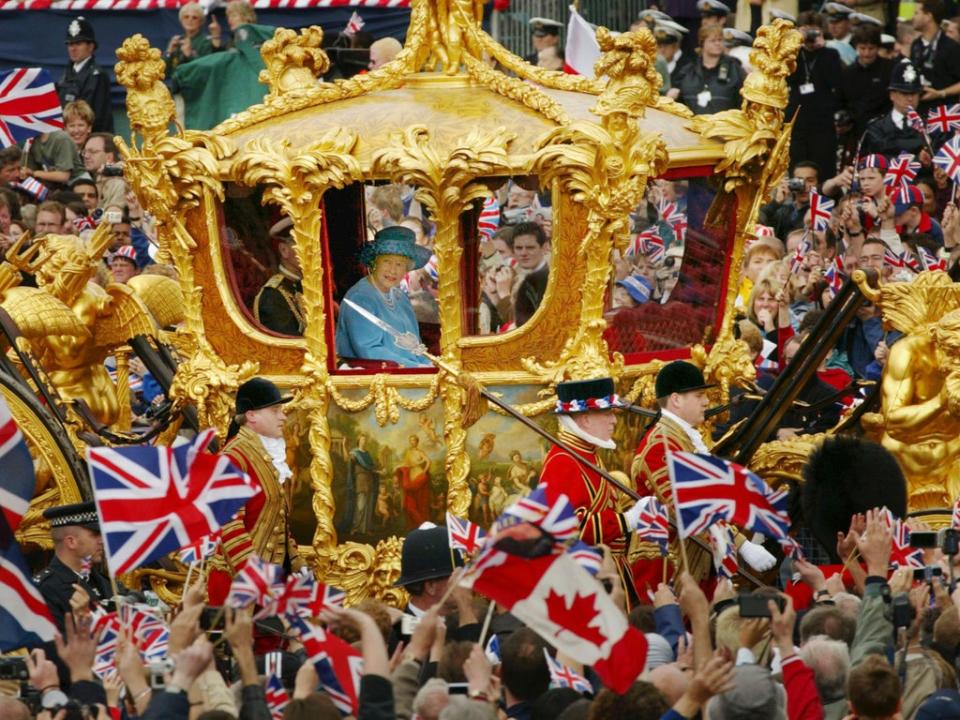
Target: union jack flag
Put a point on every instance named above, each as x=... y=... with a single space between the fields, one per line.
x=557 y=519
x=648 y=243
x=29 y=105
x=587 y=557
x=915 y=121
x=895 y=259
x=254 y=584
x=354 y=24
x=276 y=694
x=148 y=633
x=339 y=666
x=670 y=213
x=948 y=159
x=84 y=222
x=464 y=535
x=200 y=550
x=708 y=488
x=834 y=277
x=301 y=596
x=563 y=677
x=944 y=119
x=724 y=550
x=24 y=618
x=654 y=523
x=489 y=219
x=929 y=261
x=86 y=565
x=902 y=170
x=820 y=208
x=152 y=501
x=34 y=188
x=901 y=554
x=955 y=520
x=799 y=255
x=16 y=469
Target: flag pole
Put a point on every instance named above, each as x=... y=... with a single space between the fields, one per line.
x=486 y=623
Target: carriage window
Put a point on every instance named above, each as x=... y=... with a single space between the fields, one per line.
x=507 y=273
x=666 y=287
x=379 y=270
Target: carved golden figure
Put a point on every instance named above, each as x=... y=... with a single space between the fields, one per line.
x=919 y=421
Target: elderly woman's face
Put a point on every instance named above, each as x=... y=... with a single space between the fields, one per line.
x=191 y=19
x=389 y=271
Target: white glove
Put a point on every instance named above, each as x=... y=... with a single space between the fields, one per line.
x=757 y=556
x=632 y=516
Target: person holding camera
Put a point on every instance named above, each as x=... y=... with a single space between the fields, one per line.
x=712 y=83
x=814 y=87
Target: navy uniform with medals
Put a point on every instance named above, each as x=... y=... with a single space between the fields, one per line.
x=891 y=134
x=279 y=304
x=90 y=83
x=56 y=582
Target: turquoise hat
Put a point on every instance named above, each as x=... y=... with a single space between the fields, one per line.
x=395 y=240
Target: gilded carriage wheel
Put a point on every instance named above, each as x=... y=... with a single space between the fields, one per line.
x=61 y=474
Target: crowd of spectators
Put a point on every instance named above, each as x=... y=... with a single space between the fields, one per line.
x=864 y=643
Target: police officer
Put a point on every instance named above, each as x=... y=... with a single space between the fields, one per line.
x=84 y=79
x=279 y=304
x=892 y=134
x=71 y=580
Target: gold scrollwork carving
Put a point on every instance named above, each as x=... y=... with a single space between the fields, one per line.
x=386 y=399
x=170 y=176
x=362 y=571
x=293 y=60
x=605 y=168
x=295 y=180
x=446 y=186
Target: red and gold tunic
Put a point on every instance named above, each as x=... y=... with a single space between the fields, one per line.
x=593 y=499
x=651 y=477
x=261 y=525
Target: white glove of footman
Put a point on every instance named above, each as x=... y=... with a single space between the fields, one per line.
x=757 y=557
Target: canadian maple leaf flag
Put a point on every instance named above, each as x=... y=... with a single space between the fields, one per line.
x=561 y=602
x=582 y=51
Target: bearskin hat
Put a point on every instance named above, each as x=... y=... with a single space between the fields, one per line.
x=844 y=476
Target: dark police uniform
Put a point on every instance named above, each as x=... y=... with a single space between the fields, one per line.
x=57 y=580
x=91 y=84
x=279 y=304
x=887 y=137
x=939 y=64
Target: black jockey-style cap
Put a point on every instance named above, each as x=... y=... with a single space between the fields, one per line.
x=427 y=555
x=258 y=393
x=679 y=376
x=83 y=514
x=80 y=30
